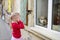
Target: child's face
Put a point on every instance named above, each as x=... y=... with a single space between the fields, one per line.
x=15 y=17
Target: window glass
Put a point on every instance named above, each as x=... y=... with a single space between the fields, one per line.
x=42 y=12
x=56 y=15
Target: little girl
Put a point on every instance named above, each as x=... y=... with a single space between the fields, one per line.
x=16 y=25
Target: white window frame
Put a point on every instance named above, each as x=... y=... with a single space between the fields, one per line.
x=55 y=34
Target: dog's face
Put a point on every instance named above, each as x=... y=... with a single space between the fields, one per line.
x=43 y=20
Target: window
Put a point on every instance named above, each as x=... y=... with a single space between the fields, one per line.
x=42 y=12
x=56 y=15
x=50 y=10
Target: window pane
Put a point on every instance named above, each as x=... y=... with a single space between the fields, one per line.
x=56 y=15
x=42 y=12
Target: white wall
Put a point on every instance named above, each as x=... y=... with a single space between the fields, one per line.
x=16 y=6
x=31 y=16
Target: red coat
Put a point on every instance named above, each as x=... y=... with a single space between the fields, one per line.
x=16 y=29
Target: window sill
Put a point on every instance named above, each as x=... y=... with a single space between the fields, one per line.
x=36 y=34
x=44 y=32
x=47 y=33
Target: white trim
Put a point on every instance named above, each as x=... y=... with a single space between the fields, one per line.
x=54 y=35
x=49 y=14
x=46 y=29
x=34 y=12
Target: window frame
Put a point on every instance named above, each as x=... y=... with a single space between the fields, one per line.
x=54 y=33
x=49 y=14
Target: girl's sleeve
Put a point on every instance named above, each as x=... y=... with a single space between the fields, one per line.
x=21 y=24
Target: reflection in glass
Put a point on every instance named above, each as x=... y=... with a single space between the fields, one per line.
x=56 y=15
x=41 y=12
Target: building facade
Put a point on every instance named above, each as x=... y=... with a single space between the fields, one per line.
x=42 y=16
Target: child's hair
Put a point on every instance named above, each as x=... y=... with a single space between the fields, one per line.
x=13 y=14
